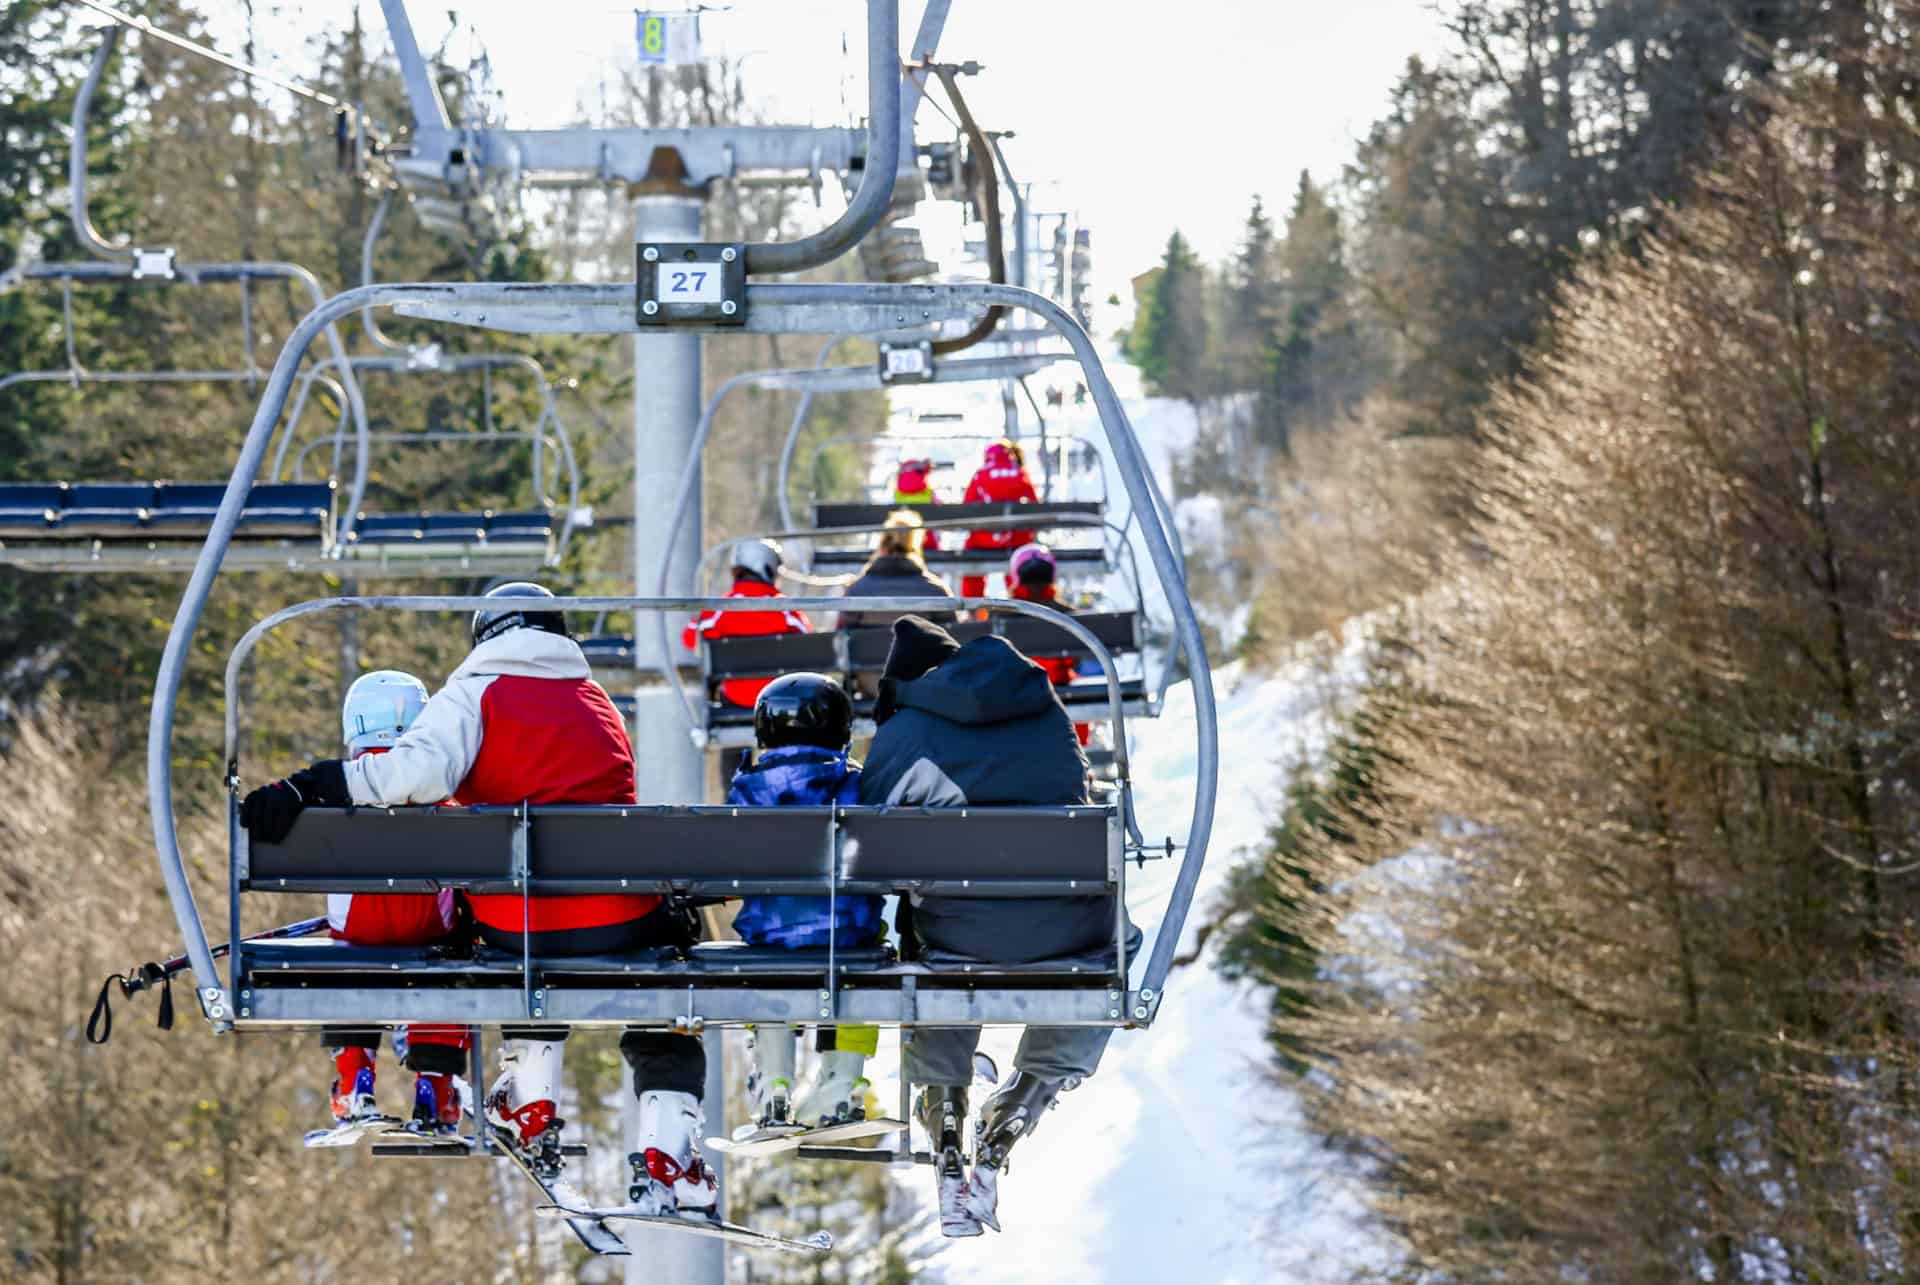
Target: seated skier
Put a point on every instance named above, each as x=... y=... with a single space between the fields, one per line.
x=379 y=707
x=802 y=725
x=980 y=725
x=1030 y=578
x=913 y=486
x=520 y=720
x=1001 y=478
x=756 y=564
x=897 y=569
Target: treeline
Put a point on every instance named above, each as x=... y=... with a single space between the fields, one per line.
x=1386 y=304
x=175 y=1157
x=1636 y=791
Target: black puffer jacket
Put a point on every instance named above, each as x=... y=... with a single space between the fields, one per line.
x=892 y=576
x=984 y=728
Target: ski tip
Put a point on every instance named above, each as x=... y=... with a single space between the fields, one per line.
x=821 y=1242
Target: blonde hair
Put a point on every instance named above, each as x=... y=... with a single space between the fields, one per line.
x=902 y=537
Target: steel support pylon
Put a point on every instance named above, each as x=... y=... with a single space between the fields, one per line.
x=667 y=766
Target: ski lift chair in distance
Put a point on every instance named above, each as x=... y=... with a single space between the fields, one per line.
x=862 y=652
x=480 y=542
x=690 y=850
x=849 y=653
x=83 y=526
x=817 y=379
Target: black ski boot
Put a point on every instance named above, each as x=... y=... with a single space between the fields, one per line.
x=1009 y=1115
x=942 y=1112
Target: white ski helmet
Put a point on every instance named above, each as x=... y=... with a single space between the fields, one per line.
x=380 y=706
x=762 y=557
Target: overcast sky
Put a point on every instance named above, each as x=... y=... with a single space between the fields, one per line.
x=1140 y=116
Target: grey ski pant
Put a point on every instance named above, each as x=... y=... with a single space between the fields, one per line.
x=943 y=1055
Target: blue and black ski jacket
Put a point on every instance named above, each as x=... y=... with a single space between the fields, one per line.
x=801 y=776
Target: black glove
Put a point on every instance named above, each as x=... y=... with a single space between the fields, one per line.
x=270 y=811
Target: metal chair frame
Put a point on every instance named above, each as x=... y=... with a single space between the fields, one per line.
x=603 y=309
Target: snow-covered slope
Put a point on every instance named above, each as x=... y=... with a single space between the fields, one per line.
x=1181 y=1161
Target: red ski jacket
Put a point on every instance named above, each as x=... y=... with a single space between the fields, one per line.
x=743 y=624
x=390 y=918
x=518 y=721
x=1000 y=483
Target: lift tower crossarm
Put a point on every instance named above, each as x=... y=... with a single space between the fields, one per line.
x=439 y=151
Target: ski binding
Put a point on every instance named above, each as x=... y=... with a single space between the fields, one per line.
x=347 y=1133
x=782 y=1138
x=592 y=1232
x=820 y=1242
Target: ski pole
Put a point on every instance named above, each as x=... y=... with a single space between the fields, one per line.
x=142 y=976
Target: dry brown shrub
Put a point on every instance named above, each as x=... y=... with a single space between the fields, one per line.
x=1354 y=519
x=175 y=1156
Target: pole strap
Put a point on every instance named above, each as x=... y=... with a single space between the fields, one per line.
x=100 y=1021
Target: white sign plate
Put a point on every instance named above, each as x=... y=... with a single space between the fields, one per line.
x=688 y=283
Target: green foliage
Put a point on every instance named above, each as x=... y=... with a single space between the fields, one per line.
x=1169 y=339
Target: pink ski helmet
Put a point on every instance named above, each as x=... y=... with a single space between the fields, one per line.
x=1031 y=564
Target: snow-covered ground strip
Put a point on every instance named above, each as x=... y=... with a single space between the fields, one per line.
x=1180 y=1160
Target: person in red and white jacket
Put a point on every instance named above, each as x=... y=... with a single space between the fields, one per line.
x=1001 y=479
x=755 y=565
x=520 y=720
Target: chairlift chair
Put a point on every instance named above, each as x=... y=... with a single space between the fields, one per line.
x=984 y=851
x=85 y=526
x=479 y=542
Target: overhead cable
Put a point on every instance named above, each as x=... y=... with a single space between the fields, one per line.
x=146 y=28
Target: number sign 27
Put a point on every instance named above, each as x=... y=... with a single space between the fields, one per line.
x=692 y=284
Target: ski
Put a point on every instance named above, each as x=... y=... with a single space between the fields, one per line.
x=784 y=1138
x=820 y=1242
x=586 y=1224
x=347 y=1133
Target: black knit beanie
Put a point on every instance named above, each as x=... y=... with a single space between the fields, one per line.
x=919 y=646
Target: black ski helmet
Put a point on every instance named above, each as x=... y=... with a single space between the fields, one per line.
x=492 y=622
x=803 y=709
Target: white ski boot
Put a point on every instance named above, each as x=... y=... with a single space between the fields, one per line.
x=835 y=1093
x=770 y=1049
x=523 y=1103
x=1008 y=1116
x=670 y=1177
x=942 y=1112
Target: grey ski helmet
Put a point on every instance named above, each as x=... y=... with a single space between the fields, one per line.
x=491 y=622
x=761 y=557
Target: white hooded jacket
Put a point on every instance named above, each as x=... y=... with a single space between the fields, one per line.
x=431 y=758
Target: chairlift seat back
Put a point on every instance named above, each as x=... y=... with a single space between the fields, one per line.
x=986 y=561
x=294 y=510
x=107 y=510
x=454 y=528
x=389 y=528
x=533 y=527
x=828 y=516
x=30 y=509
x=717 y=851
x=771 y=655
